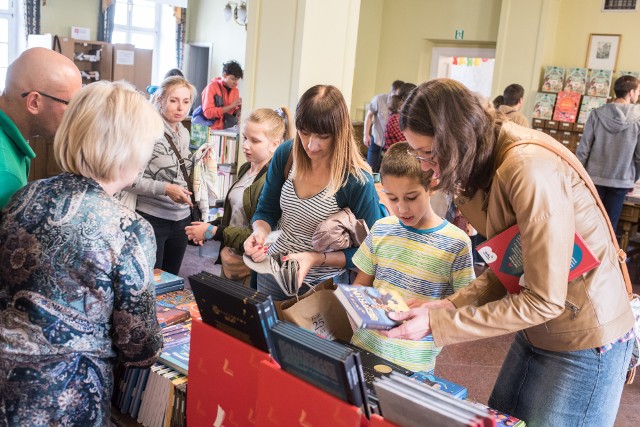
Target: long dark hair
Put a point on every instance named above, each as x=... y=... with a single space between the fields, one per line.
x=462 y=130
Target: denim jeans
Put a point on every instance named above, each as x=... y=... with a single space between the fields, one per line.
x=612 y=199
x=171 y=241
x=374 y=156
x=571 y=388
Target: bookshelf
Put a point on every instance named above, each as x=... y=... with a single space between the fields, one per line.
x=225 y=144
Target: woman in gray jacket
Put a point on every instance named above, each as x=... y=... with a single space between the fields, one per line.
x=163 y=197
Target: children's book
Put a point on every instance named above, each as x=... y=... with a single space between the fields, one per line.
x=456 y=390
x=589 y=103
x=165 y=281
x=503 y=254
x=543 y=108
x=635 y=74
x=576 y=80
x=368 y=307
x=182 y=299
x=599 y=83
x=553 y=79
x=567 y=105
x=168 y=316
x=501 y=419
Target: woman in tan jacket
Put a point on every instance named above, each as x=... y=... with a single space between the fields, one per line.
x=568 y=362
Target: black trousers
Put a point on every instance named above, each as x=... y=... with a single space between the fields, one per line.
x=171 y=241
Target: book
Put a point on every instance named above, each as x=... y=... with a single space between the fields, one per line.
x=503 y=254
x=635 y=74
x=164 y=280
x=177 y=357
x=168 y=316
x=182 y=299
x=553 y=79
x=501 y=419
x=241 y=312
x=567 y=105
x=368 y=307
x=599 y=83
x=589 y=103
x=328 y=365
x=576 y=80
x=543 y=108
x=455 y=390
x=408 y=403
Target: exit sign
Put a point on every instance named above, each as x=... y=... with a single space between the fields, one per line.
x=459 y=34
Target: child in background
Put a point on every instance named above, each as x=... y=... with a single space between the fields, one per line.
x=414 y=252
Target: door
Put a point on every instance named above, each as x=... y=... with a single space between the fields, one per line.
x=197 y=60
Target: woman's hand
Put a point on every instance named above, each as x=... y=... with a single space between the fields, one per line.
x=306 y=260
x=178 y=194
x=415 y=324
x=196 y=231
x=254 y=245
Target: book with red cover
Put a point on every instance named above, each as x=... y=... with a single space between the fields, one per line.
x=567 y=105
x=503 y=254
x=168 y=316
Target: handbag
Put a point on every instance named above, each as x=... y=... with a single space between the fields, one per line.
x=634 y=299
x=196 y=214
x=285 y=272
x=319 y=311
x=198 y=118
x=233 y=266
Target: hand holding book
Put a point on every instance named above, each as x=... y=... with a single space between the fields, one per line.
x=416 y=322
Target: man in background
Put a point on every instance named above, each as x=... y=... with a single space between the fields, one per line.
x=221 y=98
x=378 y=113
x=39 y=85
x=511 y=103
x=610 y=146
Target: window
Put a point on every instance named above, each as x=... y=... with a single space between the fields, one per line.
x=8 y=46
x=147 y=24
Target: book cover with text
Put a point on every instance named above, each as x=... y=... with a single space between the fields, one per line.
x=567 y=105
x=576 y=80
x=589 y=103
x=553 y=79
x=543 y=108
x=503 y=254
x=599 y=83
x=368 y=307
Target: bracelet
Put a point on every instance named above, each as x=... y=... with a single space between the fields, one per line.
x=208 y=235
x=325 y=259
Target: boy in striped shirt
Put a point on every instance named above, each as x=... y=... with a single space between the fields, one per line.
x=414 y=252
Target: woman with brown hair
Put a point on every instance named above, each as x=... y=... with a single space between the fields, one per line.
x=326 y=173
x=572 y=348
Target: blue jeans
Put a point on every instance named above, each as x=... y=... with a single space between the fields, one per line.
x=613 y=199
x=374 y=156
x=570 y=388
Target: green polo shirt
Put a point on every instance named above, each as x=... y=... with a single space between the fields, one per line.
x=15 y=159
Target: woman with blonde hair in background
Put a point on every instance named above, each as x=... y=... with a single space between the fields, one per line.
x=326 y=174
x=164 y=198
x=262 y=133
x=76 y=267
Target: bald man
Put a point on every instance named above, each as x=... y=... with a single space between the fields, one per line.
x=39 y=85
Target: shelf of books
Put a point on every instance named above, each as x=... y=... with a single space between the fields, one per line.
x=566 y=98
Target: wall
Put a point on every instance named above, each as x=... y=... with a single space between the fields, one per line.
x=206 y=24
x=410 y=28
x=58 y=16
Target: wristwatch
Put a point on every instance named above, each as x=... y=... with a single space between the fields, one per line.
x=208 y=235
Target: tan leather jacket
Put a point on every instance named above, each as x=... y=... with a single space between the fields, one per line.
x=540 y=192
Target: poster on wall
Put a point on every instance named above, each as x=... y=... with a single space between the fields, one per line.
x=475 y=73
x=602 y=52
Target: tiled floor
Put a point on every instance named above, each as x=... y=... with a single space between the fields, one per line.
x=475 y=364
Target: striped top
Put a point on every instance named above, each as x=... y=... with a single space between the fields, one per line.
x=427 y=265
x=298 y=222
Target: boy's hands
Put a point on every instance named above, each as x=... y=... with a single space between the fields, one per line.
x=416 y=322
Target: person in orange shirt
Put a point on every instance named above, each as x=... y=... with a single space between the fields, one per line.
x=221 y=99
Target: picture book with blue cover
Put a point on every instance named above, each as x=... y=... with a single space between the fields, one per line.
x=368 y=307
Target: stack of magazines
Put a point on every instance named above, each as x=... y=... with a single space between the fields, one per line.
x=406 y=402
x=236 y=310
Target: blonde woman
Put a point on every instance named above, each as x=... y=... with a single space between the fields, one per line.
x=76 y=267
x=327 y=174
x=262 y=133
x=163 y=195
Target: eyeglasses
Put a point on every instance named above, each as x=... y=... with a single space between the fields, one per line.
x=428 y=160
x=61 y=101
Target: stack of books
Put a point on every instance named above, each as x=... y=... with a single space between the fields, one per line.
x=166 y=282
x=406 y=402
x=236 y=310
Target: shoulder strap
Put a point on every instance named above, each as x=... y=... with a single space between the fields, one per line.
x=183 y=168
x=577 y=166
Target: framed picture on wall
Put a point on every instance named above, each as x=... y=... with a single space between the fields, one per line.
x=602 y=53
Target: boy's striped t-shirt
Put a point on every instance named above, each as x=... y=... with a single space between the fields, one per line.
x=427 y=265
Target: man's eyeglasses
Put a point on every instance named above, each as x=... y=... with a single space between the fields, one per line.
x=61 y=101
x=429 y=160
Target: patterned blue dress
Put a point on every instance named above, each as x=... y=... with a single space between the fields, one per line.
x=75 y=293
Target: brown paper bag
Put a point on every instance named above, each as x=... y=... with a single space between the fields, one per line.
x=319 y=311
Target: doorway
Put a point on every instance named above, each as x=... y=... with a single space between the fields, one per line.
x=472 y=67
x=197 y=60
